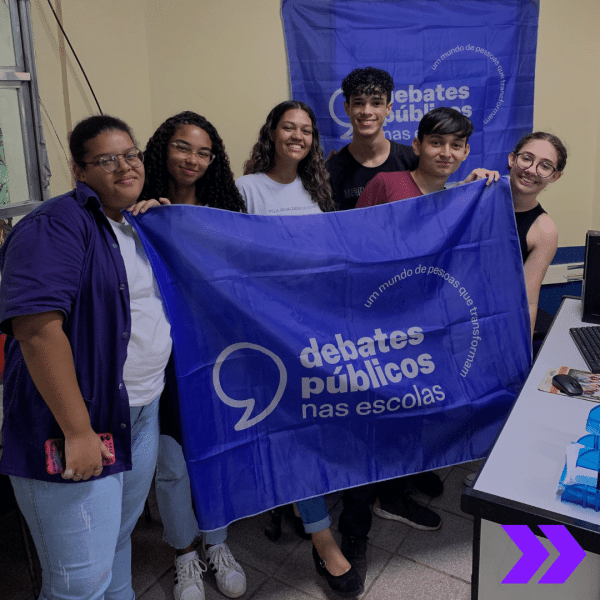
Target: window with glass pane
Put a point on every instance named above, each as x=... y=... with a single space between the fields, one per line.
x=14 y=171
x=7 y=47
x=21 y=142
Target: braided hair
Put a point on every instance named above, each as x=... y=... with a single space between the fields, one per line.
x=311 y=169
x=216 y=187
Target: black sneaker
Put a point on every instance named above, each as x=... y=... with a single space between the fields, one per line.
x=429 y=483
x=354 y=548
x=407 y=511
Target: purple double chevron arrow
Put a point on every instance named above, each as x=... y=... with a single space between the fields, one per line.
x=534 y=554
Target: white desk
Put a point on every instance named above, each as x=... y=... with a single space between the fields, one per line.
x=518 y=482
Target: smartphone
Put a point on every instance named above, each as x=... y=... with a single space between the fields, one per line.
x=55 y=453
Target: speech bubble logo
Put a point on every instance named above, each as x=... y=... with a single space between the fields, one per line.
x=347 y=134
x=248 y=404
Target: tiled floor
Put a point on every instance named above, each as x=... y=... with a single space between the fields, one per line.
x=404 y=564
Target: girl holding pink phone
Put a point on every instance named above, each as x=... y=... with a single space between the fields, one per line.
x=87 y=346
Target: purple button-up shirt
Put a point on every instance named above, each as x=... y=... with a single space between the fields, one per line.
x=64 y=256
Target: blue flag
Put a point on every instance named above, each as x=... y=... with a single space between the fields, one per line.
x=320 y=352
x=477 y=57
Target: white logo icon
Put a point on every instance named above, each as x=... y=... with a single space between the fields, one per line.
x=248 y=404
x=347 y=135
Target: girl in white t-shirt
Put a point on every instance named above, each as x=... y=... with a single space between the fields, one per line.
x=286 y=175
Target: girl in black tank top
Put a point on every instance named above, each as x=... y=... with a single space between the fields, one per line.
x=538 y=159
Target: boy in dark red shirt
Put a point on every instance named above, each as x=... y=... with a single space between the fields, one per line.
x=442 y=144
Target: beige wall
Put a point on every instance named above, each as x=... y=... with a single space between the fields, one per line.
x=567 y=103
x=110 y=40
x=226 y=59
x=223 y=59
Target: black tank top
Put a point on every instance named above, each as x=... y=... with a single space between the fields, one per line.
x=524 y=222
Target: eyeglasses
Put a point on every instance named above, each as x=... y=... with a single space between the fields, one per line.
x=205 y=156
x=110 y=162
x=543 y=169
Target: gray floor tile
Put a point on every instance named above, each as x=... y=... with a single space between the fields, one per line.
x=387 y=534
x=151 y=557
x=449 y=549
x=277 y=590
x=161 y=590
x=250 y=546
x=406 y=580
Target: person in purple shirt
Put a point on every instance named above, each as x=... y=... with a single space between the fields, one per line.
x=87 y=346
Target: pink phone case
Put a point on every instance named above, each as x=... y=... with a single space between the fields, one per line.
x=55 y=453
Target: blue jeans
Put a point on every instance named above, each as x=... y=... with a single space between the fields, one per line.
x=174 y=497
x=314 y=514
x=82 y=531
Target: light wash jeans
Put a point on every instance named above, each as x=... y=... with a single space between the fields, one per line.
x=82 y=531
x=174 y=497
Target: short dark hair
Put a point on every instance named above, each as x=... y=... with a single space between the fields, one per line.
x=445 y=120
x=88 y=129
x=561 y=151
x=368 y=81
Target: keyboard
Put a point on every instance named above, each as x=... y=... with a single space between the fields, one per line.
x=587 y=340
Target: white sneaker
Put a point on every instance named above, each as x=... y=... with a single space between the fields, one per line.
x=188 y=583
x=231 y=579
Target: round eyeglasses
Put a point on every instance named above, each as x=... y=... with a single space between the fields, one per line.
x=205 y=156
x=543 y=169
x=110 y=162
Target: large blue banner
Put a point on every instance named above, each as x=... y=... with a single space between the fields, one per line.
x=477 y=56
x=320 y=352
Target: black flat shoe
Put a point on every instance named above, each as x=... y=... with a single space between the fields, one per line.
x=348 y=584
x=354 y=548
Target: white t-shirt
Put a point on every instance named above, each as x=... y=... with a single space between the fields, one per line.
x=150 y=342
x=264 y=196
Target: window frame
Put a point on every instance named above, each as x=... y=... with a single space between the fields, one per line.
x=22 y=77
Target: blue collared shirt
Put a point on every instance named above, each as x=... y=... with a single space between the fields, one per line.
x=64 y=256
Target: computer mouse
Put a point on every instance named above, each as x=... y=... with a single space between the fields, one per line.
x=567 y=384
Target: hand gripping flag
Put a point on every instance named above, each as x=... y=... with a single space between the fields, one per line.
x=320 y=352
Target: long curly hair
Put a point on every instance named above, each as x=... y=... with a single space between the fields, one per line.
x=311 y=169
x=216 y=187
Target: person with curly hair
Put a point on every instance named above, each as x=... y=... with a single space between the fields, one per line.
x=368 y=95
x=186 y=163
x=286 y=175
x=175 y=172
